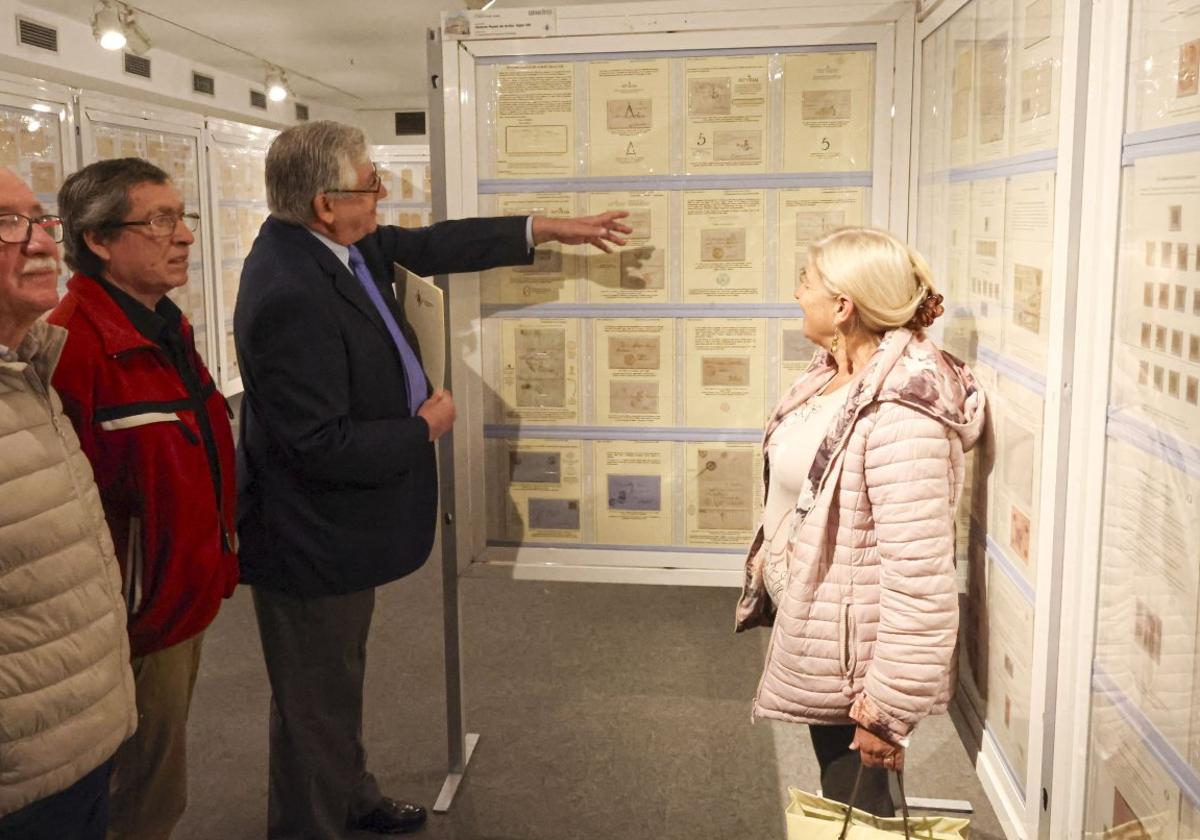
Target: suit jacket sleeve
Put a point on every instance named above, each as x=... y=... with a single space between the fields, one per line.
x=301 y=392
x=456 y=246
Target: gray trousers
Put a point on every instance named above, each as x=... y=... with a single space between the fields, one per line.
x=316 y=654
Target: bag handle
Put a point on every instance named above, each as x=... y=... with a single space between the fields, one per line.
x=854 y=796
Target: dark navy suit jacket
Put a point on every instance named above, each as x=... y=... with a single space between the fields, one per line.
x=337 y=480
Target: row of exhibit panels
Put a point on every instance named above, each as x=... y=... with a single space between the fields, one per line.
x=693 y=246
x=1142 y=778
x=605 y=493
x=218 y=167
x=801 y=110
x=990 y=76
x=723 y=374
x=1144 y=733
x=990 y=81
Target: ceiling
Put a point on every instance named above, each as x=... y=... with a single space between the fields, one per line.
x=372 y=52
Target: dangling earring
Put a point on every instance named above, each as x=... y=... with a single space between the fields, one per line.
x=833 y=345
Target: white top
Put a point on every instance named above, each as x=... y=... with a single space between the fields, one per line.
x=791 y=452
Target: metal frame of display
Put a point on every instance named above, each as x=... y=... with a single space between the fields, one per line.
x=649 y=30
x=1024 y=812
x=661 y=29
x=128 y=113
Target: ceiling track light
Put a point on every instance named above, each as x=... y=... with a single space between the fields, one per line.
x=107 y=26
x=137 y=40
x=277 y=84
x=115 y=26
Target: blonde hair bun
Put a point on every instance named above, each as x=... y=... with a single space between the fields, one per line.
x=890 y=283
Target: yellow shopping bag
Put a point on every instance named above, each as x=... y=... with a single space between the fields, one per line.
x=811 y=817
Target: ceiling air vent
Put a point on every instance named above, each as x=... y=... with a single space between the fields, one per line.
x=136 y=65
x=409 y=123
x=258 y=99
x=34 y=34
x=203 y=84
x=301 y=112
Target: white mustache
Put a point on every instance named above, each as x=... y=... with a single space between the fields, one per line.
x=36 y=265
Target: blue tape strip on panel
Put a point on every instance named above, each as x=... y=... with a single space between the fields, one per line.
x=622 y=433
x=675 y=549
x=1170 y=760
x=1022 y=165
x=615 y=56
x=642 y=310
x=1154 y=441
x=673 y=183
x=1014 y=370
x=1156 y=142
x=1011 y=571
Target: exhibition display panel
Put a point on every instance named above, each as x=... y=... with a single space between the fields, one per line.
x=408 y=177
x=1143 y=737
x=37 y=138
x=237 y=155
x=172 y=140
x=621 y=397
x=991 y=215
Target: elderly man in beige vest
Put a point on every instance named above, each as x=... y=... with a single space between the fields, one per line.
x=66 y=689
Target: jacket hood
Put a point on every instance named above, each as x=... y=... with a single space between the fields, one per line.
x=932 y=381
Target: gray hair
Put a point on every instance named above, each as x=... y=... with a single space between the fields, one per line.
x=95 y=200
x=307 y=160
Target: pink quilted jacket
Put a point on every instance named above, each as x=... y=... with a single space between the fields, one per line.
x=866 y=628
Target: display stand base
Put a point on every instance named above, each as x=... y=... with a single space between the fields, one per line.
x=453 y=780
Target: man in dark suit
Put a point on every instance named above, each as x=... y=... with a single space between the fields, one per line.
x=337 y=472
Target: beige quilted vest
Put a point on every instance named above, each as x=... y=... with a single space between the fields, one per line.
x=66 y=690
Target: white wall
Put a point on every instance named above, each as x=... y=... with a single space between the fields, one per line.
x=82 y=62
x=380 y=125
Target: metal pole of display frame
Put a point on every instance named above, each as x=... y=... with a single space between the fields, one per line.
x=459 y=743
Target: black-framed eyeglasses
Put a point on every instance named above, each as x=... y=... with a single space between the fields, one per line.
x=376 y=181
x=17 y=228
x=164 y=224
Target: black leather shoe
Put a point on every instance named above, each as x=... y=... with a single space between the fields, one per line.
x=391 y=817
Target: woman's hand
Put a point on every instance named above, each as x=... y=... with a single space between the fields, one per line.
x=876 y=752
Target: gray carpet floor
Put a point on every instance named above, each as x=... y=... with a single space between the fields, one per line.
x=605 y=711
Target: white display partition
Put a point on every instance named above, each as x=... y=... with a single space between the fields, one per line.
x=173 y=140
x=237 y=154
x=996 y=208
x=1128 y=760
x=37 y=138
x=579 y=311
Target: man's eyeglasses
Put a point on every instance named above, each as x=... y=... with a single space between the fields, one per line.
x=17 y=229
x=374 y=189
x=164 y=224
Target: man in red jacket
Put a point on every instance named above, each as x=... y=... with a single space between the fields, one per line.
x=157 y=432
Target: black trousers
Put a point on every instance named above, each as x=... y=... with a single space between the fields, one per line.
x=78 y=813
x=839 y=767
x=316 y=655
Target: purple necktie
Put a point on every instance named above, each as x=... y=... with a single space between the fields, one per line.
x=413 y=374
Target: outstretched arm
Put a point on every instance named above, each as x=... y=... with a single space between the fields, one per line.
x=598 y=230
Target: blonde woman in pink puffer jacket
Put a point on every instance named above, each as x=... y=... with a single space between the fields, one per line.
x=853 y=566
